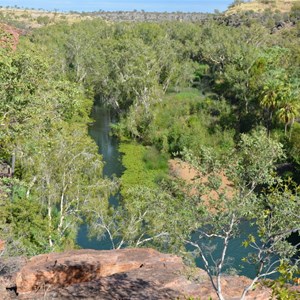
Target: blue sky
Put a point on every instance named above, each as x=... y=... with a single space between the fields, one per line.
x=92 y=5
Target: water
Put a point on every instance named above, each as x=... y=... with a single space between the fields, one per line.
x=235 y=253
x=108 y=145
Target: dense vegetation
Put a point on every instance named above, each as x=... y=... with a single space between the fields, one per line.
x=224 y=99
x=57 y=167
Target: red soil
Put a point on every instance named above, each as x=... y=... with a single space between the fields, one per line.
x=183 y=170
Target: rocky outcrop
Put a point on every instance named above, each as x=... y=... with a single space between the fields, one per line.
x=8 y=271
x=64 y=269
x=9 y=36
x=134 y=274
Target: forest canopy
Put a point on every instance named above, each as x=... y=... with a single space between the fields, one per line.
x=223 y=99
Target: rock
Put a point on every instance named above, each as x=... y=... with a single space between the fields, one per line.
x=12 y=39
x=2 y=245
x=75 y=267
x=8 y=269
x=133 y=274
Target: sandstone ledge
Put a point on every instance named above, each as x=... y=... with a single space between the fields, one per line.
x=119 y=274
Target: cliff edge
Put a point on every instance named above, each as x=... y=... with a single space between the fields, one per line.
x=116 y=274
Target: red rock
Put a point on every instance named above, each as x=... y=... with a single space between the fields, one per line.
x=127 y=274
x=2 y=245
x=64 y=269
x=12 y=38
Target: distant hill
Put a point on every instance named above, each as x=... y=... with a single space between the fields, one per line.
x=271 y=13
x=142 y=16
x=29 y=18
x=282 y=6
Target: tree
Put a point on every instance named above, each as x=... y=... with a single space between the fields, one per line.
x=232 y=65
x=62 y=187
x=270 y=98
x=276 y=218
x=251 y=167
x=146 y=217
x=44 y=124
x=288 y=108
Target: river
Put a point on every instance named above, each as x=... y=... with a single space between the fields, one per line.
x=108 y=145
x=108 y=148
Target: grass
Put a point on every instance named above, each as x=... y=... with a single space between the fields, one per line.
x=144 y=165
x=37 y=18
x=257 y=6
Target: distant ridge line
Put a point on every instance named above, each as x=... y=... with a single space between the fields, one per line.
x=140 y=16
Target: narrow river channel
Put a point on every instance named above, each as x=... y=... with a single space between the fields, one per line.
x=108 y=148
x=108 y=145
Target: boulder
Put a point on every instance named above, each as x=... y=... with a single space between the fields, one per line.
x=118 y=271
x=133 y=274
x=83 y=266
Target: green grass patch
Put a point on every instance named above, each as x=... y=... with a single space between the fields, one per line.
x=144 y=165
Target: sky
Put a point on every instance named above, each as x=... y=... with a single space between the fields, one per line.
x=95 y=5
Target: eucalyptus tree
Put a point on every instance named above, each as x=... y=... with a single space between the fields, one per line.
x=146 y=217
x=59 y=160
x=276 y=218
x=62 y=172
x=249 y=168
x=133 y=74
x=45 y=124
x=232 y=65
x=123 y=64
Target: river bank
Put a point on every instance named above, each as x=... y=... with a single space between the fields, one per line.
x=109 y=149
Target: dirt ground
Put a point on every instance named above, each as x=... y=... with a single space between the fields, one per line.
x=183 y=170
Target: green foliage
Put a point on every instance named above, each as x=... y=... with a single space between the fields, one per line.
x=258 y=153
x=130 y=66
x=123 y=64
x=23 y=221
x=154 y=160
x=295 y=144
x=280 y=289
x=275 y=214
x=43 y=122
x=43 y=20
x=144 y=166
x=184 y=120
x=146 y=217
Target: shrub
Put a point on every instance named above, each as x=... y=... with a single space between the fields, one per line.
x=154 y=160
x=43 y=20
